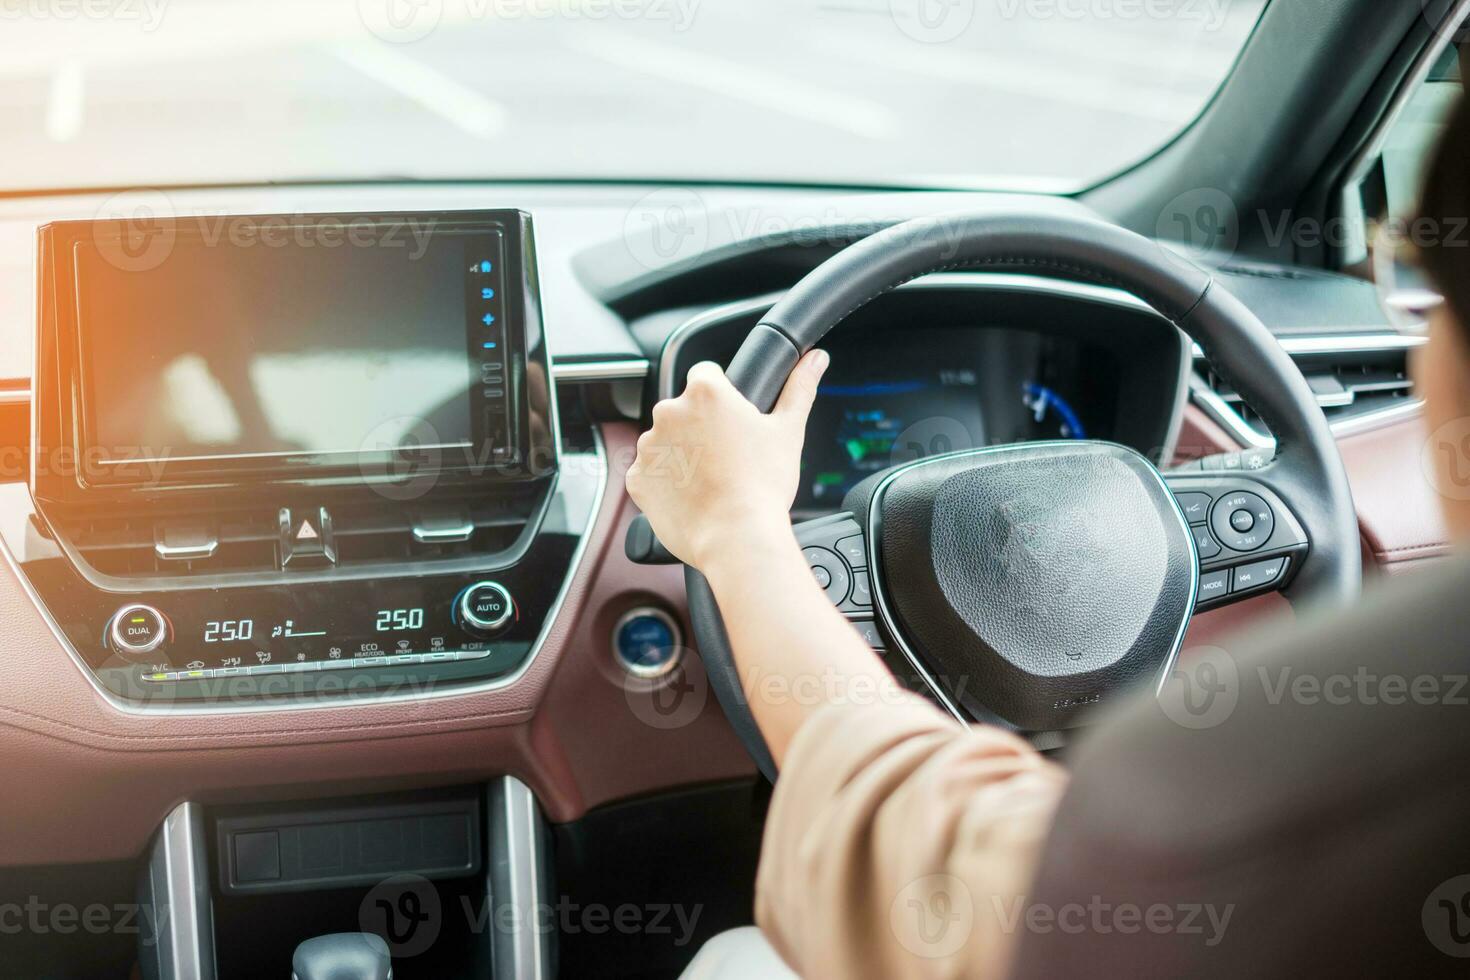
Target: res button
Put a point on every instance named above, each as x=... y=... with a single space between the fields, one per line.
x=1242 y=521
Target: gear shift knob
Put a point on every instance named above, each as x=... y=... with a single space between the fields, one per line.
x=342 y=956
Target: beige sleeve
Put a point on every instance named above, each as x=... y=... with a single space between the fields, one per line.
x=901 y=844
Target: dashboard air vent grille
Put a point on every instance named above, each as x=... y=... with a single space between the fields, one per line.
x=1349 y=384
x=248 y=541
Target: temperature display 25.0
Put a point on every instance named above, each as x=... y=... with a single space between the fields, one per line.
x=393 y=620
x=228 y=630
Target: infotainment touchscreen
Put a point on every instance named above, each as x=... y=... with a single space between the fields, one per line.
x=269 y=345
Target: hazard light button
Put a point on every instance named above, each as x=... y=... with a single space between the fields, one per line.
x=306 y=538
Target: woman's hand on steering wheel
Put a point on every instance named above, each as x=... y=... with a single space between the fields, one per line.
x=714 y=469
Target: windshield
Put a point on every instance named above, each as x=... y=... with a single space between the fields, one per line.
x=1023 y=94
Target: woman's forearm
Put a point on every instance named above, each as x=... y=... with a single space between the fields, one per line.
x=794 y=651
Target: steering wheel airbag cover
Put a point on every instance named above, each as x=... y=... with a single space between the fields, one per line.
x=1035 y=579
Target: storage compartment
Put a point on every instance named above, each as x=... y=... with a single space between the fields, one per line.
x=313 y=849
x=411 y=868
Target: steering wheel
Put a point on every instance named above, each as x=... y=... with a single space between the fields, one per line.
x=1026 y=584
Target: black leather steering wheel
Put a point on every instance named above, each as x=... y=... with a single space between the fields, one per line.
x=976 y=545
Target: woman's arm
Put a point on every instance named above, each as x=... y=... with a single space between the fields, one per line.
x=716 y=479
x=886 y=809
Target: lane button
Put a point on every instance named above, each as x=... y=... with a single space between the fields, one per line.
x=1207 y=546
x=1196 y=506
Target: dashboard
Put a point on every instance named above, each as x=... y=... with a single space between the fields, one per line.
x=949 y=361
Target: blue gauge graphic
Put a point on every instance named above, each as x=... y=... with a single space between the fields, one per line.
x=1044 y=402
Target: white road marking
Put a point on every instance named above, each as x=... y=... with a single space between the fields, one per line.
x=429 y=87
x=64 y=102
x=746 y=83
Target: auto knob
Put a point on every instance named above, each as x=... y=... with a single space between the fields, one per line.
x=485 y=608
x=137 y=630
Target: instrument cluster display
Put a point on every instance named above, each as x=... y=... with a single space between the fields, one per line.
x=897 y=396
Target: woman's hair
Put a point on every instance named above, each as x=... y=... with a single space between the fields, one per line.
x=1445 y=202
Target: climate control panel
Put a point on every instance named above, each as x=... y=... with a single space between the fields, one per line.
x=401 y=630
x=228 y=644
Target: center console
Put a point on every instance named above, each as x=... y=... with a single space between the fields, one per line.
x=288 y=459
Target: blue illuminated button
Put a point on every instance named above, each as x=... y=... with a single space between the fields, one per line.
x=647 y=642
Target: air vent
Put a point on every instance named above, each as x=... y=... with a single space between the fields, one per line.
x=1353 y=381
x=248 y=541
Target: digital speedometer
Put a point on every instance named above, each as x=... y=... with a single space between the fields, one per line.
x=1052 y=412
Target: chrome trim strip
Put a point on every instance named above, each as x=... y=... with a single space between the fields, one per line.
x=630 y=369
x=516 y=849
x=638 y=670
x=309 y=702
x=443 y=535
x=186 y=919
x=880 y=599
x=1220 y=412
x=1367 y=343
x=1374 y=420
x=15 y=396
x=185 y=552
